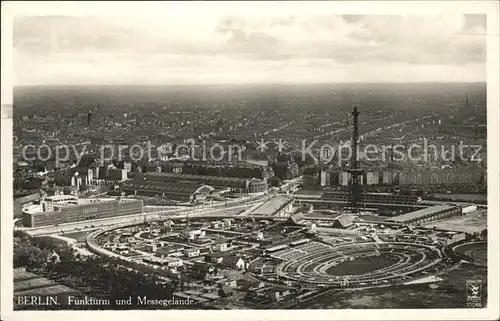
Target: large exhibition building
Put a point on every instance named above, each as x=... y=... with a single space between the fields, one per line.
x=183 y=192
x=236 y=184
x=89 y=209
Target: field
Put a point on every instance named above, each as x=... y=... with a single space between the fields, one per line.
x=477 y=251
x=26 y=283
x=54 y=289
x=22 y=285
x=361 y=265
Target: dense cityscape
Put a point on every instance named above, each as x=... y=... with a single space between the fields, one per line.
x=249 y=197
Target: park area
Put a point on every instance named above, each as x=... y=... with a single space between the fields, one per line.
x=30 y=284
x=477 y=251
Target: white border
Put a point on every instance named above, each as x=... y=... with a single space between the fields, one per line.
x=491 y=8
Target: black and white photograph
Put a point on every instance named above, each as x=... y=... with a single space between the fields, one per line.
x=294 y=157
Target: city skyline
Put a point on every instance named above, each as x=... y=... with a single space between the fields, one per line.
x=258 y=48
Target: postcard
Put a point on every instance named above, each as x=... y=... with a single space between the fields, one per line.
x=298 y=160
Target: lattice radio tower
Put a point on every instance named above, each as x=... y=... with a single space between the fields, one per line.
x=355 y=203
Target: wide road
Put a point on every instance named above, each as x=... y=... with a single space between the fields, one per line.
x=231 y=208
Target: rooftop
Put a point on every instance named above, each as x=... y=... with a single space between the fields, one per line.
x=345 y=220
x=28 y=198
x=421 y=213
x=193 y=177
x=166 y=187
x=297 y=218
x=205 y=179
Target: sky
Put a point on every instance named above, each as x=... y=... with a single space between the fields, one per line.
x=218 y=47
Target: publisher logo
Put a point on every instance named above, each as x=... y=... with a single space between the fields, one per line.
x=474 y=290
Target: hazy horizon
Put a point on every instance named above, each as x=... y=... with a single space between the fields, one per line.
x=317 y=95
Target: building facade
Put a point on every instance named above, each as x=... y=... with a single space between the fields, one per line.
x=325 y=178
x=117 y=174
x=417 y=177
x=51 y=202
x=257 y=186
x=372 y=178
x=182 y=192
x=442 y=177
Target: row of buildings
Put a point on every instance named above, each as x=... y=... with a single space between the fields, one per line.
x=224 y=169
x=172 y=186
x=428 y=214
x=79 y=177
x=380 y=198
x=181 y=192
x=398 y=177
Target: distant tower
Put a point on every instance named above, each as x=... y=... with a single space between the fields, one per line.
x=89 y=118
x=90 y=115
x=355 y=201
x=220 y=127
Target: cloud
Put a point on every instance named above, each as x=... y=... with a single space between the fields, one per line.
x=422 y=39
x=411 y=39
x=266 y=47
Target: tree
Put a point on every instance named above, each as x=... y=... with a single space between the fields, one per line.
x=21 y=235
x=45 y=242
x=66 y=253
x=21 y=253
x=34 y=258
